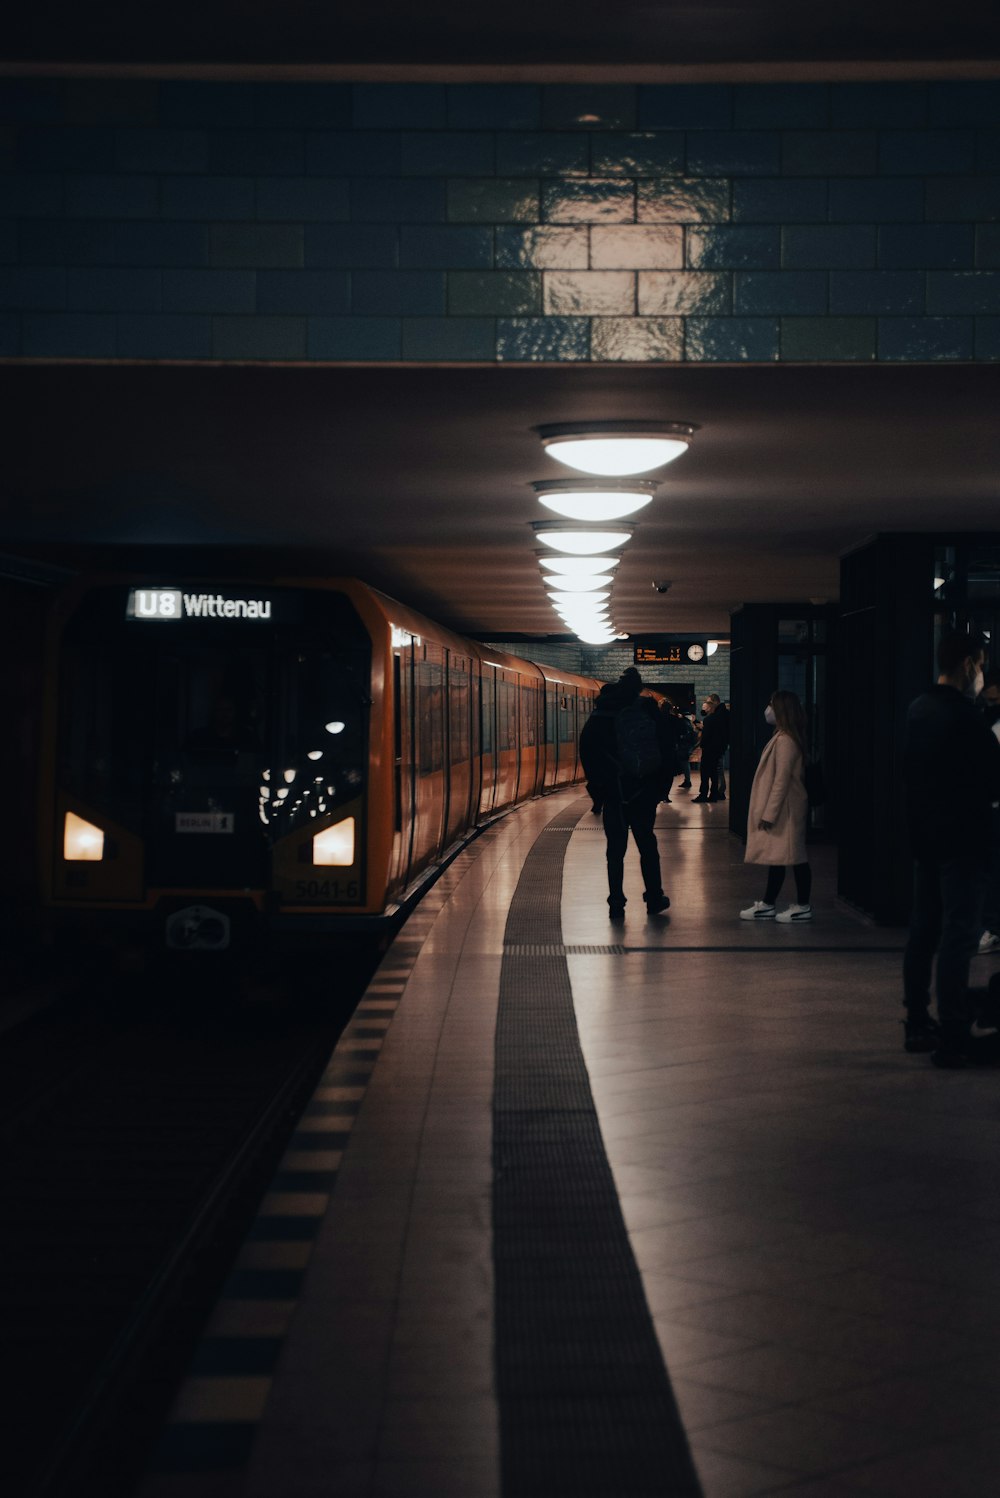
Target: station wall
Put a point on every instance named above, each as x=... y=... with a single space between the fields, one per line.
x=196 y=220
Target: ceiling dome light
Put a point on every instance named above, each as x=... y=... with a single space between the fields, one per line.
x=616 y=447
x=564 y=535
x=578 y=566
x=577 y=584
x=571 y=598
x=594 y=499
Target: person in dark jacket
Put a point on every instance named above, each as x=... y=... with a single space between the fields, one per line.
x=714 y=743
x=628 y=801
x=951 y=777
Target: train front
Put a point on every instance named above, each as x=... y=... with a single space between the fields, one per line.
x=207 y=776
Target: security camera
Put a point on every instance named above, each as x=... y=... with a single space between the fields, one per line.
x=662 y=587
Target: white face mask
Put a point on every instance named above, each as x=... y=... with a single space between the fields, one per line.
x=769 y=715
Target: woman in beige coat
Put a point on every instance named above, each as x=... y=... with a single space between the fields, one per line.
x=776 y=822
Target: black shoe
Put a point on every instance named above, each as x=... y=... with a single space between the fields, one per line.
x=921 y=1035
x=696 y=799
x=722 y=797
x=616 y=912
x=657 y=903
x=950 y=1058
x=716 y=798
x=685 y=785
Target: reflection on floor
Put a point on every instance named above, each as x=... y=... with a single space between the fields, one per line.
x=814 y=1213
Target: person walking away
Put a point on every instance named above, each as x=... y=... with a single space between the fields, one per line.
x=714 y=743
x=951 y=777
x=779 y=808
x=628 y=757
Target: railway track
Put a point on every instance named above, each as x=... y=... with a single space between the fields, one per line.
x=134 y=1151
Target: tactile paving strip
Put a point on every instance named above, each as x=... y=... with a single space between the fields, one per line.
x=586 y=1406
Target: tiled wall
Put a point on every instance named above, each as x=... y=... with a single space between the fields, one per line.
x=325 y=221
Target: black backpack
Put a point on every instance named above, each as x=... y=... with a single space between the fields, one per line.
x=638 y=747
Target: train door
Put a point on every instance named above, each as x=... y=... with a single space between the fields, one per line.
x=429 y=713
x=508 y=757
x=404 y=763
x=530 y=738
x=460 y=806
x=488 y=738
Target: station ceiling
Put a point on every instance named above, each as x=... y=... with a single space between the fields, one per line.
x=416 y=478
x=513 y=34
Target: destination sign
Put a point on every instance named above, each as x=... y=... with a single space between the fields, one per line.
x=172 y=604
x=653 y=652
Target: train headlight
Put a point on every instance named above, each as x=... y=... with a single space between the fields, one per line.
x=335 y=845
x=82 y=841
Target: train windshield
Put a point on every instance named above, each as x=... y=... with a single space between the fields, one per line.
x=211 y=737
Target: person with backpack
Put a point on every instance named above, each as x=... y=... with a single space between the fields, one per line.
x=629 y=757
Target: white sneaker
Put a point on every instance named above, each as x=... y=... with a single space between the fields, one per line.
x=758 y=911
x=795 y=913
x=988 y=942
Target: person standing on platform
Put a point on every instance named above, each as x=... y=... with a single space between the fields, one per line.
x=628 y=756
x=779 y=808
x=714 y=743
x=951 y=777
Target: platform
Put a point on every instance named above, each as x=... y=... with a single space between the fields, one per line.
x=660 y=1208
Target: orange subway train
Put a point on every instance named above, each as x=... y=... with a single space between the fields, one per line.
x=229 y=763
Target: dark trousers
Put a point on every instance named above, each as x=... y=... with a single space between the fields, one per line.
x=776 y=878
x=636 y=816
x=946 y=919
x=711 y=775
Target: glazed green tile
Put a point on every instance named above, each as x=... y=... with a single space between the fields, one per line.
x=259 y=337
x=493 y=293
x=588 y=106
x=820 y=339
x=922 y=339
x=969 y=292
x=652 y=154
x=592 y=202
x=450 y=339
x=542 y=248
x=676 y=292
x=684 y=200
x=542 y=154
x=601 y=293
x=987 y=338
x=639 y=340
x=829 y=153
x=543 y=339
x=492 y=200
x=734 y=247
x=636 y=247
x=729 y=340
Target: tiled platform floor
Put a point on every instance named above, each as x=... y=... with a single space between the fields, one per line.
x=815 y=1214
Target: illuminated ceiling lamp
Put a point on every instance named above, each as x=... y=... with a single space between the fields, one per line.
x=588 y=584
x=581 y=540
x=578 y=566
x=595 y=499
x=616 y=447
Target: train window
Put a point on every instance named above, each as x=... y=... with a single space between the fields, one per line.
x=430 y=700
x=488 y=707
x=567 y=720
x=458 y=710
x=507 y=714
x=528 y=716
x=106 y=734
